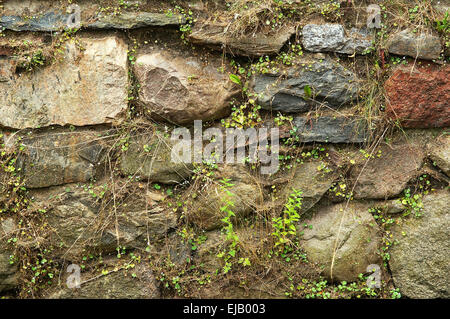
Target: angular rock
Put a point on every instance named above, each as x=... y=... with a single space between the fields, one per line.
x=7 y=227
x=329 y=82
x=215 y=36
x=439 y=153
x=331 y=129
x=358 y=41
x=420 y=256
x=208 y=250
x=332 y=38
x=44 y=16
x=49 y=21
x=7 y=69
x=87 y=87
x=59 y=158
x=421 y=46
x=393 y=206
x=312 y=179
x=150 y=157
x=9 y=272
x=359 y=239
x=207 y=215
x=252 y=239
x=441 y=5
x=12 y=48
x=140 y=229
x=181 y=89
x=73 y=221
x=134 y=20
x=326 y=37
x=172 y=247
x=33 y=15
x=246 y=194
x=115 y=285
x=387 y=176
x=419 y=98
x=79 y=223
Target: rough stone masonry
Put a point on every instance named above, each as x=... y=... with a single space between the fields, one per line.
x=85 y=151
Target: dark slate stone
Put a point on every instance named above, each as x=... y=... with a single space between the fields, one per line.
x=330 y=83
x=49 y=21
x=53 y=21
x=329 y=129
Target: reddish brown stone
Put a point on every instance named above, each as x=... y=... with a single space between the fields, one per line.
x=419 y=97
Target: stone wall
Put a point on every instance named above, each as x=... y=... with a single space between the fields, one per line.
x=90 y=92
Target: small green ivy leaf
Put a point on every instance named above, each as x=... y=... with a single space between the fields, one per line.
x=235 y=79
x=308 y=91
